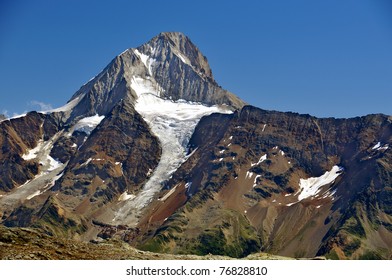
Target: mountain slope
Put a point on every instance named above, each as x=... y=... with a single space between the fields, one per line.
x=154 y=152
x=282 y=183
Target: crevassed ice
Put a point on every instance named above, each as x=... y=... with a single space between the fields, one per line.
x=311 y=186
x=173 y=123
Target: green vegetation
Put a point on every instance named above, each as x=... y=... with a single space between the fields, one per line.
x=332 y=255
x=351 y=247
x=354 y=226
x=370 y=255
x=232 y=236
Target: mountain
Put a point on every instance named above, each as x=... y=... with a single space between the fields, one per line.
x=154 y=152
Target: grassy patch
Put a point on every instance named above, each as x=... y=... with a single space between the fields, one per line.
x=370 y=255
x=332 y=255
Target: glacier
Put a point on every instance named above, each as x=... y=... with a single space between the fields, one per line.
x=173 y=122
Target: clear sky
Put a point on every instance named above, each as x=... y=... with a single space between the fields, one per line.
x=325 y=58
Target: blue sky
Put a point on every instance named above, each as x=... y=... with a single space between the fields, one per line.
x=325 y=58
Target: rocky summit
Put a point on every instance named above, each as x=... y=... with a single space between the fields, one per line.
x=152 y=153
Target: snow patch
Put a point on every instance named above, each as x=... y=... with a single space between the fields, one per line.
x=88 y=124
x=143 y=86
x=291 y=204
x=24 y=184
x=69 y=106
x=378 y=145
x=168 y=194
x=146 y=60
x=15 y=117
x=86 y=162
x=264 y=127
x=52 y=163
x=33 y=153
x=257 y=176
x=311 y=186
x=47 y=187
x=33 y=195
x=183 y=59
x=42 y=153
x=248 y=175
x=125 y=196
x=262 y=158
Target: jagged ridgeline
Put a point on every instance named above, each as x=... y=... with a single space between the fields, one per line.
x=153 y=152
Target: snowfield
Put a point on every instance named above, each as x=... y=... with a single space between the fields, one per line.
x=312 y=186
x=88 y=124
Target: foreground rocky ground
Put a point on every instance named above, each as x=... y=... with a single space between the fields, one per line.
x=33 y=244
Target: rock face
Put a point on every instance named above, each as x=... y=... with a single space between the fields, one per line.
x=152 y=151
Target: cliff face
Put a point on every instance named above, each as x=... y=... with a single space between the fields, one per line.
x=154 y=152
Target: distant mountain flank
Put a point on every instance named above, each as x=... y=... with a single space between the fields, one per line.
x=153 y=152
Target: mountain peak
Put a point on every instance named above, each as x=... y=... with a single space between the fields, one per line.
x=169 y=66
x=165 y=44
x=174 y=36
